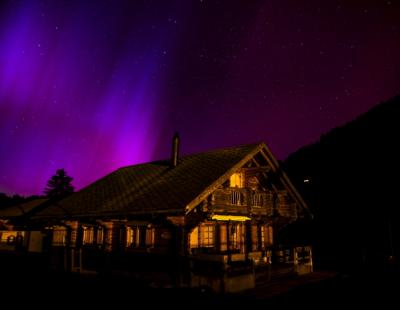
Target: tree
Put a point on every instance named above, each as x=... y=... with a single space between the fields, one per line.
x=59 y=185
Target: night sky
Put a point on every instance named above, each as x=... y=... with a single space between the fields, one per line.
x=91 y=86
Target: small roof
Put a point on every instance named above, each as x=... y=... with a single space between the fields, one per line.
x=21 y=209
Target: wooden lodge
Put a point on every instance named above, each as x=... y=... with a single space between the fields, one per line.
x=208 y=219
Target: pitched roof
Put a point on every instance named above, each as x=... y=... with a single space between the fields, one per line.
x=153 y=187
x=21 y=209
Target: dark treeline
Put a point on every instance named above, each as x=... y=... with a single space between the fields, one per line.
x=350 y=180
x=7 y=201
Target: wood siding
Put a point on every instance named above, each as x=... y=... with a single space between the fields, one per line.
x=244 y=201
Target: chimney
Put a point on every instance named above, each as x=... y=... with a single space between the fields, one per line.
x=175 y=150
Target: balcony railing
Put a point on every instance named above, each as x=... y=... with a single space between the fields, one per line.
x=299 y=258
x=245 y=201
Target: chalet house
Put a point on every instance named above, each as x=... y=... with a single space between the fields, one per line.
x=207 y=219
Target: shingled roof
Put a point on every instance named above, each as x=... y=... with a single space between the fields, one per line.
x=156 y=187
x=152 y=187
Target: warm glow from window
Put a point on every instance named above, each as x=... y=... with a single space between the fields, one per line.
x=207 y=235
x=88 y=235
x=149 y=237
x=237 y=180
x=135 y=235
x=10 y=236
x=59 y=236
x=194 y=238
x=203 y=236
x=100 y=235
x=93 y=235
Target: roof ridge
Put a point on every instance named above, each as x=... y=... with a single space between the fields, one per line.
x=226 y=148
x=166 y=160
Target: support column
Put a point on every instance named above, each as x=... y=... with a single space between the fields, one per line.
x=108 y=236
x=228 y=241
x=217 y=243
x=73 y=242
x=248 y=239
x=259 y=237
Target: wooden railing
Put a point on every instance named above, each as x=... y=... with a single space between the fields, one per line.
x=293 y=255
x=297 y=258
x=245 y=201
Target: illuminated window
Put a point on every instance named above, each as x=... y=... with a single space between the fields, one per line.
x=207 y=235
x=203 y=236
x=93 y=235
x=149 y=237
x=194 y=238
x=133 y=236
x=100 y=235
x=237 y=180
x=10 y=236
x=88 y=235
x=59 y=236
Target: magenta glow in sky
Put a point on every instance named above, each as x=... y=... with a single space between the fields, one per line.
x=91 y=86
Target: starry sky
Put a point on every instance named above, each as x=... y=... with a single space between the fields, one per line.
x=91 y=86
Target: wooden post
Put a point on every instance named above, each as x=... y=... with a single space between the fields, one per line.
x=108 y=236
x=217 y=232
x=296 y=259
x=71 y=243
x=259 y=237
x=228 y=241
x=248 y=239
x=80 y=266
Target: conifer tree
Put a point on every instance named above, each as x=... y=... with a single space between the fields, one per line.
x=59 y=185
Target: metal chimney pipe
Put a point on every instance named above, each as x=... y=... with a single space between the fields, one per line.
x=175 y=150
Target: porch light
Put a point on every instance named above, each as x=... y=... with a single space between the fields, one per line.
x=236 y=218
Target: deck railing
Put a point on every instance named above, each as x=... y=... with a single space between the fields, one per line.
x=245 y=201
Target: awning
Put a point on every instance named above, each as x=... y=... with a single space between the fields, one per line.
x=236 y=218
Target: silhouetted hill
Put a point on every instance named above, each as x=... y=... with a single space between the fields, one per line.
x=352 y=189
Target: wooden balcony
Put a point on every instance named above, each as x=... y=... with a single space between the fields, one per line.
x=244 y=201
